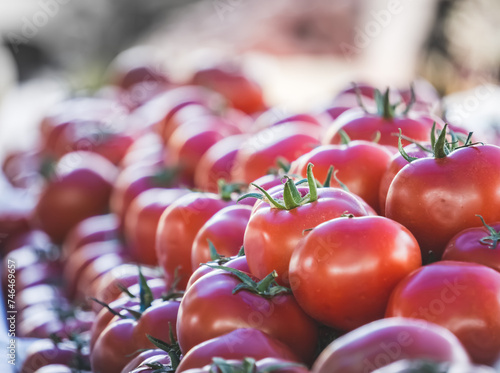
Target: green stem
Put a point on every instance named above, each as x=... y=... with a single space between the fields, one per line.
x=492 y=240
x=440 y=148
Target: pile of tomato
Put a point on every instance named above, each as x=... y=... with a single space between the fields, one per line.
x=161 y=226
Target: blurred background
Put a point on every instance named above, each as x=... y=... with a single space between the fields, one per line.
x=301 y=52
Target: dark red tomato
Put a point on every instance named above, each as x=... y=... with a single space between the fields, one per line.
x=177 y=229
x=360 y=125
x=81 y=189
x=260 y=152
x=32 y=237
x=435 y=198
x=182 y=115
x=243 y=93
x=108 y=287
x=122 y=339
x=141 y=222
x=239 y=263
x=141 y=359
x=476 y=245
x=454 y=295
x=396 y=163
x=136 y=179
x=97 y=228
x=360 y=166
x=237 y=344
x=344 y=271
x=192 y=139
x=266 y=365
x=417 y=366
x=44 y=352
x=217 y=162
x=79 y=260
x=146 y=149
x=224 y=230
x=149 y=364
x=210 y=309
x=381 y=342
x=272 y=234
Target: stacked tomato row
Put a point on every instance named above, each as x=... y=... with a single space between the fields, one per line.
x=170 y=227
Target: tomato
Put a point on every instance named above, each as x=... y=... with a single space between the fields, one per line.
x=437 y=197
x=142 y=359
x=150 y=364
x=272 y=233
x=262 y=150
x=416 y=366
x=462 y=297
x=237 y=344
x=141 y=222
x=122 y=338
x=210 y=309
x=217 y=162
x=343 y=273
x=381 y=342
x=360 y=166
x=81 y=189
x=242 y=93
x=192 y=139
x=225 y=230
x=177 y=229
x=237 y=262
x=476 y=245
x=396 y=163
x=56 y=368
x=361 y=125
x=249 y=365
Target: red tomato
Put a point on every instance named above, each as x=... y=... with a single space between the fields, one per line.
x=238 y=262
x=360 y=166
x=81 y=189
x=225 y=230
x=210 y=309
x=237 y=344
x=261 y=151
x=381 y=342
x=437 y=197
x=177 y=229
x=343 y=272
x=192 y=139
x=243 y=93
x=217 y=162
x=476 y=245
x=415 y=366
x=462 y=297
x=141 y=222
x=266 y=365
x=272 y=233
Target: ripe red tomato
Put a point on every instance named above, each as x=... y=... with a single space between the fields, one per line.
x=237 y=344
x=225 y=230
x=343 y=272
x=177 y=229
x=238 y=262
x=141 y=222
x=437 y=197
x=209 y=309
x=381 y=342
x=81 y=189
x=360 y=166
x=272 y=234
x=462 y=297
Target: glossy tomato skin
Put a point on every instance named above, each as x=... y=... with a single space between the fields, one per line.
x=437 y=198
x=210 y=309
x=141 y=222
x=225 y=229
x=260 y=152
x=237 y=344
x=381 y=342
x=239 y=263
x=81 y=189
x=177 y=229
x=343 y=273
x=466 y=246
x=454 y=295
x=272 y=234
x=363 y=126
x=360 y=166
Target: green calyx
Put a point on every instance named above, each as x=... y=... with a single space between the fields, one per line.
x=492 y=240
x=384 y=107
x=247 y=365
x=226 y=189
x=267 y=287
x=291 y=196
x=173 y=350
